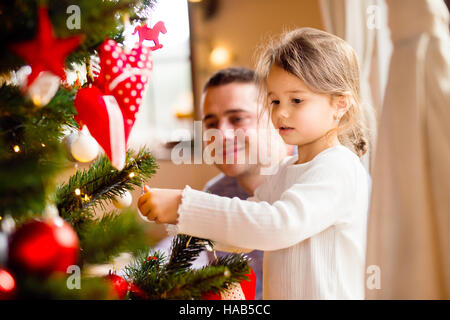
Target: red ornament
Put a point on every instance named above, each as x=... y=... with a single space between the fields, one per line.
x=7 y=285
x=151 y=34
x=137 y=292
x=109 y=107
x=45 y=52
x=120 y=285
x=245 y=290
x=44 y=246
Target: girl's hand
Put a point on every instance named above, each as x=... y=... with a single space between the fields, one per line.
x=160 y=205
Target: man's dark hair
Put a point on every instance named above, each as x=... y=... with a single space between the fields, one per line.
x=230 y=75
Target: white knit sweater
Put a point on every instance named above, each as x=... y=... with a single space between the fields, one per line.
x=309 y=218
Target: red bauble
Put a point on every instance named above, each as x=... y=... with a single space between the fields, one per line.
x=7 y=285
x=44 y=246
x=120 y=285
x=245 y=290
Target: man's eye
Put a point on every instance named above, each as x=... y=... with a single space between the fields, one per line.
x=211 y=125
x=297 y=101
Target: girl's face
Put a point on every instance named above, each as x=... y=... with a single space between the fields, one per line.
x=300 y=115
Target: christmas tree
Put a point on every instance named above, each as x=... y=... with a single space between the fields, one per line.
x=50 y=231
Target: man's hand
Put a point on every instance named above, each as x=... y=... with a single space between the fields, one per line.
x=160 y=205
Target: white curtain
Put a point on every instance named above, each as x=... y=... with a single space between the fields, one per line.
x=363 y=24
x=409 y=223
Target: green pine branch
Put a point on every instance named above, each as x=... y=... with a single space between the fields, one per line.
x=110 y=235
x=237 y=265
x=193 y=283
x=146 y=270
x=184 y=250
x=216 y=277
x=31 y=153
x=175 y=279
x=56 y=288
x=101 y=183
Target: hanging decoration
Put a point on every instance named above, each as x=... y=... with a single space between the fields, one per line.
x=109 y=107
x=46 y=56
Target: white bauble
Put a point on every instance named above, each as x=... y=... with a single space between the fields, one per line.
x=43 y=88
x=70 y=138
x=123 y=201
x=85 y=148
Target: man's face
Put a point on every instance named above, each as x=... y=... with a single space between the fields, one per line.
x=228 y=108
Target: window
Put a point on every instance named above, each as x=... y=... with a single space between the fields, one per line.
x=168 y=101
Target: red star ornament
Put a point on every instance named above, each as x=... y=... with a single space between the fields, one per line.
x=45 y=52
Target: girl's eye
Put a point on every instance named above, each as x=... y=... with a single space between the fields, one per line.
x=297 y=101
x=276 y=102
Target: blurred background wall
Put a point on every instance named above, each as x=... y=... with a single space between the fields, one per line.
x=227 y=33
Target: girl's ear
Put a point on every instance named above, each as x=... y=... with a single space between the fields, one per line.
x=341 y=104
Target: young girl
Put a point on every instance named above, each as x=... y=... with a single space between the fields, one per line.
x=310 y=217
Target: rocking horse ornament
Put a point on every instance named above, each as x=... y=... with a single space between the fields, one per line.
x=151 y=34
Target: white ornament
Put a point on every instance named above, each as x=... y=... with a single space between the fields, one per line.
x=123 y=201
x=51 y=211
x=69 y=139
x=43 y=88
x=84 y=148
x=8 y=225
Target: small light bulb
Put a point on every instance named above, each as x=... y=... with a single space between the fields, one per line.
x=86 y=197
x=43 y=145
x=131 y=175
x=77 y=191
x=16 y=148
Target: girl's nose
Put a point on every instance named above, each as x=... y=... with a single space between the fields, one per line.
x=282 y=112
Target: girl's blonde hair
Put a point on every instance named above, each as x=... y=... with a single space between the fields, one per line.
x=326 y=64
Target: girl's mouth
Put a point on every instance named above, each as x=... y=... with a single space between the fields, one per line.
x=285 y=130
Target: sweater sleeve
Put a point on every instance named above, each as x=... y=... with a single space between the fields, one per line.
x=308 y=207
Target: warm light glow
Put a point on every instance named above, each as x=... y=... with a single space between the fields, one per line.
x=37 y=100
x=219 y=56
x=131 y=175
x=16 y=148
x=43 y=145
x=86 y=197
x=7 y=282
x=77 y=191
